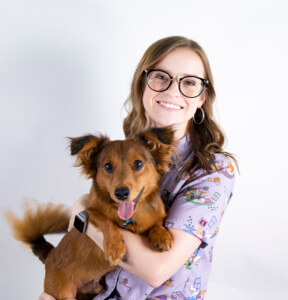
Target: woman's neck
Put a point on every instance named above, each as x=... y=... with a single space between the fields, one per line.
x=179 y=133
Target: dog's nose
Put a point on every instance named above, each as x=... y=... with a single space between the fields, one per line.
x=122 y=193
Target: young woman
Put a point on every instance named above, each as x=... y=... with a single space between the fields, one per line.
x=173 y=85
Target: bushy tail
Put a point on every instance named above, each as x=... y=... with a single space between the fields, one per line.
x=44 y=219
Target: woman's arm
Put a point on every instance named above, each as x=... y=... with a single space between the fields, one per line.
x=140 y=258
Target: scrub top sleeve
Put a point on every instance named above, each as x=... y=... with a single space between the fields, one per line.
x=199 y=207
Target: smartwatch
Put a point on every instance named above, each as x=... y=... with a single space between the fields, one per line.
x=81 y=221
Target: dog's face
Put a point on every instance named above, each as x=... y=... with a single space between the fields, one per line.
x=125 y=171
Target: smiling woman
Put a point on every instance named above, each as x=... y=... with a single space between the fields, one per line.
x=173 y=86
x=179 y=62
x=180 y=57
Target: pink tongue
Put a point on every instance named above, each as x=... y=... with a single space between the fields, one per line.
x=125 y=210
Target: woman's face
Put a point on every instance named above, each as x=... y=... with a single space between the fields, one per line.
x=171 y=107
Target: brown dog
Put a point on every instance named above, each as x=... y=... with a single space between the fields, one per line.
x=125 y=193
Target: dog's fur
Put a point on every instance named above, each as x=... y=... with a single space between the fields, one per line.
x=119 y=178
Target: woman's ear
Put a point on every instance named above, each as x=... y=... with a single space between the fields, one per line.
x=203 y=98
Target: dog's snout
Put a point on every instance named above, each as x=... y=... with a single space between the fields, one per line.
x=122 y=193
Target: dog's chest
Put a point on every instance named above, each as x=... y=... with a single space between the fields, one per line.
x=138 y=225
x=128 y=222
x=130 y=225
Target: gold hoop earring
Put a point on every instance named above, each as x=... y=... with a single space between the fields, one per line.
x=202 y=118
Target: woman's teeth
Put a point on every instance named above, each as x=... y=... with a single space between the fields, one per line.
x=170 y=105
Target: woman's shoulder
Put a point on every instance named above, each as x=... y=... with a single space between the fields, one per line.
x=223 y=164
x=222 y=167
x=222 y=160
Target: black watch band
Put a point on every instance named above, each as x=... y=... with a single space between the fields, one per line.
x=81 y=221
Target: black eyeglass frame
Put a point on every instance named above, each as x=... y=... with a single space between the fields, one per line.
x=204 y=81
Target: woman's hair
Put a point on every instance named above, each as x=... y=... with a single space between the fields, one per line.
x=206 y=138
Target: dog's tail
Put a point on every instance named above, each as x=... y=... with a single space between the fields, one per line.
x=44 y=219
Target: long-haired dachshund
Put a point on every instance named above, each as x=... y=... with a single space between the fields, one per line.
x=125 y=193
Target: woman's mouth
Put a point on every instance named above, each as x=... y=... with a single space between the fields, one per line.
x=169 y=106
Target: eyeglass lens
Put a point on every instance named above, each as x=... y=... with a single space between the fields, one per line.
x=160 y=81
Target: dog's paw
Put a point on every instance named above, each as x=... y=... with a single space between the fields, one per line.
x=115 y=252
x=160 y=239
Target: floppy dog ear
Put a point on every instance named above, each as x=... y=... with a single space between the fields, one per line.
x=164 y=134
x=87 y=148
x=161 y=144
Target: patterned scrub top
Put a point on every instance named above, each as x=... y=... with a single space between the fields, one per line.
x=196 y=208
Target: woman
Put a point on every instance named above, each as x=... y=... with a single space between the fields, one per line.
x=173 y=85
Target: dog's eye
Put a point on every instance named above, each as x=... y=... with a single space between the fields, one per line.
x=138 y=164
x=108 y=167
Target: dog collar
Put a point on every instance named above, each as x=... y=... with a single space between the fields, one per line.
x=128 y=222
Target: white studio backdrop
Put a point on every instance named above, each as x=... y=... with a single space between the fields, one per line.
x=65 y=70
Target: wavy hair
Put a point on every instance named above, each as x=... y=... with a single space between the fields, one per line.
x=206 y=138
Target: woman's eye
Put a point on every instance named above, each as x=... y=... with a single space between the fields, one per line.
x=138 y=165
x=161 y=77
x=190 y=82
x=108 y=167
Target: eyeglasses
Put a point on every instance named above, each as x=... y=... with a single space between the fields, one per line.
x=189 y=86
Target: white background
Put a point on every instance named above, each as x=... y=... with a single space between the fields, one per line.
x=65 y=70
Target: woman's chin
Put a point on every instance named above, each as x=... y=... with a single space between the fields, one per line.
x=164 y=123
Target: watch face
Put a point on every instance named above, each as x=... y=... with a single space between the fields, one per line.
x=79 y=224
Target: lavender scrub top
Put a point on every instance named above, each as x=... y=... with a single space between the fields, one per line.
x=196 y=208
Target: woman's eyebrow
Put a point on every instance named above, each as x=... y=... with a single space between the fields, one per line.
x=182 y=75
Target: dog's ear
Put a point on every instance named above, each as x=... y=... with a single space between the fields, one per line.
x=76 y=144
x=164 y=134
x=87 y=148
x=161 y=144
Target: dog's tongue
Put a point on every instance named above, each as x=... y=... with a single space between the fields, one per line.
x=125 y=210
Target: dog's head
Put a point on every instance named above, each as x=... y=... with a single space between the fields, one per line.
x=127 y=171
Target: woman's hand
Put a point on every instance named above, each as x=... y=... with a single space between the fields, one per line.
x=45 y=296
x=79 y=205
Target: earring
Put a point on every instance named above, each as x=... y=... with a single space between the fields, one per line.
x=202 y=118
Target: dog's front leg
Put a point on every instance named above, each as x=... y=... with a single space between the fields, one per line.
x=160 y=238
x=113 y=244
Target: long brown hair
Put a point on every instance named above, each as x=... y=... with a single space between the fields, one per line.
x=206 y=138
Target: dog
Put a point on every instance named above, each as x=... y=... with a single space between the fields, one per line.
x=125 y=193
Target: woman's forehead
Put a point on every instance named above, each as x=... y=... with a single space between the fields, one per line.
x=182 y=62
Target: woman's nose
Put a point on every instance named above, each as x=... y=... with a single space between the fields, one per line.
x=174 y=88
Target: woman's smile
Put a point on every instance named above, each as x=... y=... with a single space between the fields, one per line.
x=168 y=106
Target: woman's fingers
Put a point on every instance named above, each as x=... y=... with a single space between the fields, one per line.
x=45 y=296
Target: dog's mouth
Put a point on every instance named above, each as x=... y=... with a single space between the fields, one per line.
x=126 y=209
